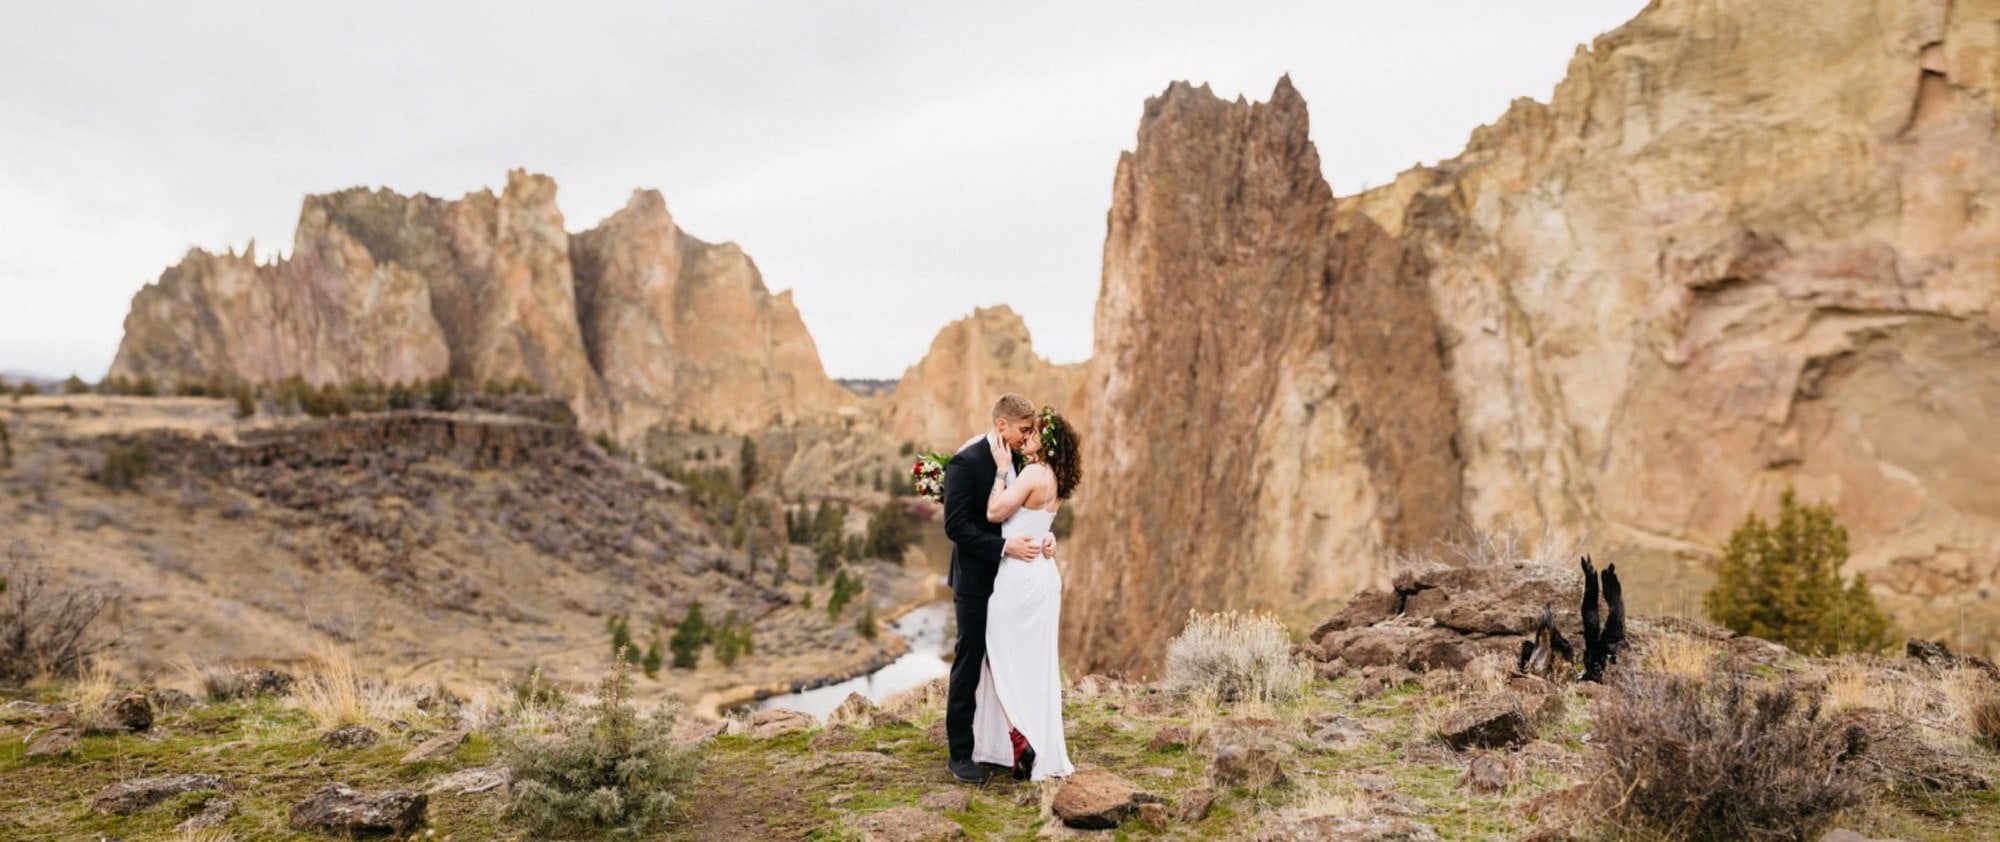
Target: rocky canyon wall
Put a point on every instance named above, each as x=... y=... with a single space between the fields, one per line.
x=948 y=395
x=633 y=322
x=1744 y=245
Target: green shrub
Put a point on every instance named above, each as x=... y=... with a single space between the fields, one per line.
x=75 y=386
x=124 y=465
x=845 y=589
x=246 y=406
x=889 y=534
x=864 y=623
x=443 y=393
x=782 y=567
x=7 y=450
x=746 y=456
x=621 y=637
x=1782 y=582
x=689 y=636
x=608 y=770
x=732 y=639
x=653 y=660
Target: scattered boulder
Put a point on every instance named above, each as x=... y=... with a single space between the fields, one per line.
x=351 y=736
x=765 y=724
x=907 y=824
x=168 y=698
x=1096 y=799
x=262 y=682
x=1153 y=816
x=438 y=698
x=438 y=747
x=691 y=731
x=1194 y=805
x=212 y=815
x=127 y=797
x=1377 y=680
x=1170 y=736
x=1936 y=654
x=130 y=714
x=1253 y=766
x=946 y=801
x=1489 y=774
x=856 y=711
x=1340 y=733
x=1363 y=609
x=54 y=742
x=471 y=781
x=338 y=808
x=1486 y=723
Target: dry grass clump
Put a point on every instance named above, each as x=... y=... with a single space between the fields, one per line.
x=1235 y=657
x=333 y=692
x=212 y=681
x=1689 y=759
x=1848 y=688
x=1681 y=655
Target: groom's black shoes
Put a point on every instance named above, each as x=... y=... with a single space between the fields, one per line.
x=967 y=771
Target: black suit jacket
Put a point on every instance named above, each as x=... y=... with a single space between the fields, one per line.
x=976 y=545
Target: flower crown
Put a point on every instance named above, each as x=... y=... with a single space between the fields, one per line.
x=1048 y=431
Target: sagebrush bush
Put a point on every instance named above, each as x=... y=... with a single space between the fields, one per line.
x=1234 y=657
x=1781 y=581
x=605 y=769
x=45 y=628
x=124 y=465
x=1685 y=758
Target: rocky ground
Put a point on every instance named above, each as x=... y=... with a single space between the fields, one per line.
x=1376 y=747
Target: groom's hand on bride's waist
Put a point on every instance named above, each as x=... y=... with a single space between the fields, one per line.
x=1022 y=548
x=1049 y=546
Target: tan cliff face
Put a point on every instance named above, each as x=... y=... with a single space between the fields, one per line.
x=633 y=322
x=1745 y=245
x=948 y=395
x=1269 y=406
x=682 y=329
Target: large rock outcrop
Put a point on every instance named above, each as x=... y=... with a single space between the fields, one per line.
x=948 y=395
x=1744 y=245
x=1269 y=403
x=633 y=322
x=682 y=329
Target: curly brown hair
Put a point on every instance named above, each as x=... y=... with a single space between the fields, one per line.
x=1062 y=451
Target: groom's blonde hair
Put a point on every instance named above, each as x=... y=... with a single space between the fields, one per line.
x=1013 y=407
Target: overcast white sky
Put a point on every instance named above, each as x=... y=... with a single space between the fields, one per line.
x=896 y=164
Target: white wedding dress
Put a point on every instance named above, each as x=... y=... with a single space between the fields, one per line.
x=1022 y=679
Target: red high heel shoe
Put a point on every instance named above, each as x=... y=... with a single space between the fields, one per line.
x=1024 y=755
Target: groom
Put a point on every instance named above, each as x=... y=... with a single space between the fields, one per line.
x=976 y=550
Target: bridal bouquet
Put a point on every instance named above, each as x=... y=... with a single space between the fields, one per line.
x=928 y=474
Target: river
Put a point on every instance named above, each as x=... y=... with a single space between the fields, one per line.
x=924 y=627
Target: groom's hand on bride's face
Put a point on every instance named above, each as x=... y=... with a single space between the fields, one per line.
x=1021 y=548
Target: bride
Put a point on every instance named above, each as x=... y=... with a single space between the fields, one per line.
x=1019 y=722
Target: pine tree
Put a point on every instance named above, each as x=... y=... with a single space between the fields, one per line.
x=888 y=534
x=1782 y=582
x=747 y=454
x=621 y=636
x=783 y=570
x=864 y=623
x=651 y=663
x=688 y=638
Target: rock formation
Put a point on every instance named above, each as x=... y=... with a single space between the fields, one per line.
x=633 y=322
x=1285 y=375
x=1744 y=245
x=682 y=329
x=948 y=395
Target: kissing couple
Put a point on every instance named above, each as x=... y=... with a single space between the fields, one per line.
x=1001 y=494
